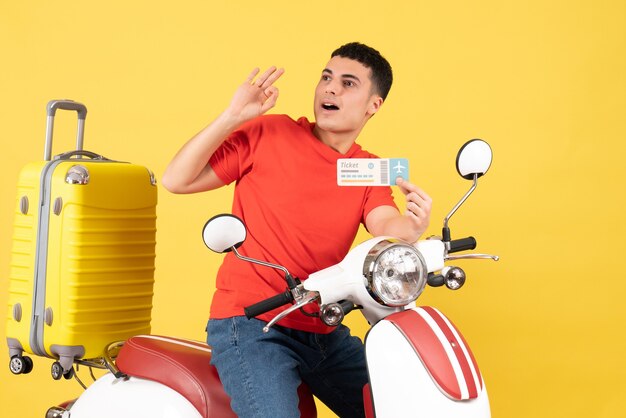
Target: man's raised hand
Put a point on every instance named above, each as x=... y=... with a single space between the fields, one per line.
x=255 y=96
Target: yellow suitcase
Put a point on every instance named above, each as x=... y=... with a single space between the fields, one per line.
x=82 y=266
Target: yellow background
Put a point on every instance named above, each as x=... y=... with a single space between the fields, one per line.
x=543 y=81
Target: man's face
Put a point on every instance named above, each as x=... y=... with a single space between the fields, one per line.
x=344 y=99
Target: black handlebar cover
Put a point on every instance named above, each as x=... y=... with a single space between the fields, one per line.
x=435 y=280
x=268 y=304
x=462 y=244
x=347 y=306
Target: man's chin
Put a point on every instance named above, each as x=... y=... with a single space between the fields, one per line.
x=326 y=123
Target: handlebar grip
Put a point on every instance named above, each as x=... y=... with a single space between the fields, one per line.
x=268 y=304
x=462 y=244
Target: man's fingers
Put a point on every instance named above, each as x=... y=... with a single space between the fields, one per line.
x=418 y=204
x=275 y=75
x=419 y=216
x=261 y=79
x=423 y=195
x=268 y=77
x=408 y=187
x=416 y=209
x=252 y=74
x=422 y=200
x=272 y=95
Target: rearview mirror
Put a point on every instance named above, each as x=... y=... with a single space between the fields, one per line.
x=223 y=232
x=472 y=161
x=474 y=158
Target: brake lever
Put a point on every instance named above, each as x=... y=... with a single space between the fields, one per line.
x=471 y=256
x=305 y=299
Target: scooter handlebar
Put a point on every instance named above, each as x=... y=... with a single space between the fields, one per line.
x=268 y=304
x=462 y=244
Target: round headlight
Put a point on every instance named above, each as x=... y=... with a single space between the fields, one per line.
x=395 y=273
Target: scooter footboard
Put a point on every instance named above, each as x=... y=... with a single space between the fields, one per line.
x=418 y=361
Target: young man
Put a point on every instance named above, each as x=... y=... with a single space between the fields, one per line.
x=286 y=192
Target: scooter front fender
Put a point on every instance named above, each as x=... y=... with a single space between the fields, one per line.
x=419 y=362
x=109 y=397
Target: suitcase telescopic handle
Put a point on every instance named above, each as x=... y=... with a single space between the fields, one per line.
x=51 y=109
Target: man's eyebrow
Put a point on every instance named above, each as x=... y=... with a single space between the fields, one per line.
x=350 y=76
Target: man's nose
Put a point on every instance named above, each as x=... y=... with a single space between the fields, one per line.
x=331 y=88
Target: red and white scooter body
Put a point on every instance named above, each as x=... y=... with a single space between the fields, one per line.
x=418 y=361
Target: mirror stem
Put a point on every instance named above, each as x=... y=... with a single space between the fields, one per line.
x=288 y=276
x=446 y=229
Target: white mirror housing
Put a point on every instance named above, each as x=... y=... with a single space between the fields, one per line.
x=222 y=232
x=474 y=158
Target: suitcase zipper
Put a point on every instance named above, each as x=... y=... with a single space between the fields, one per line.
x=41 y=259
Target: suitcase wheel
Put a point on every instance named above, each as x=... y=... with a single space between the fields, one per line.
x=21 y=364
x=69 y=374
x=57 y=372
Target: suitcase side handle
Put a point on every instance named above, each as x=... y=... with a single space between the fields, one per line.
x=51 y=109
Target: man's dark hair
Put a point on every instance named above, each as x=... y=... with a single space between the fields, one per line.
x=382 y=76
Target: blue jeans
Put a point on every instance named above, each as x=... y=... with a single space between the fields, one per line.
x=262 y=371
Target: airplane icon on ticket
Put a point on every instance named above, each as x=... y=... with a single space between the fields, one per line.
x=398 y=167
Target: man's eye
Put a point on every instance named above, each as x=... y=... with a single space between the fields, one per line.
x=348 y=83
x=325 y=77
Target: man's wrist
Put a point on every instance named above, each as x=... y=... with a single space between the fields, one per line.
x=231 y=120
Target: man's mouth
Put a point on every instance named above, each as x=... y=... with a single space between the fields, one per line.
x=330 y=106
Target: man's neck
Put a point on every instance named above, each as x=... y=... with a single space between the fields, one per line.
x=340 y=142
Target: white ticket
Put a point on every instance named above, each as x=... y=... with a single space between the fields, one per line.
x=371 y=171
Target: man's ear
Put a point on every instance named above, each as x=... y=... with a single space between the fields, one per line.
x=375 y=103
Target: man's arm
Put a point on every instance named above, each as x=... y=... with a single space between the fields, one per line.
x=189 y=170
x=386 y=220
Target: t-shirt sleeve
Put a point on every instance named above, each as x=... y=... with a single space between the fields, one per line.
x=235 y=157
x=375 y=197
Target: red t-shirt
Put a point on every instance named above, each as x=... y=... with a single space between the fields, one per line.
x=296 y=215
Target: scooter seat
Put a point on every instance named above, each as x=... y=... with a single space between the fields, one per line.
x=182 y=365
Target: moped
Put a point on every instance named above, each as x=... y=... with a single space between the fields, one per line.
x=418 y=362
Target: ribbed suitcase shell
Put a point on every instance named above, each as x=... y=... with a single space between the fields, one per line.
x=82 y=267
x=96 y=278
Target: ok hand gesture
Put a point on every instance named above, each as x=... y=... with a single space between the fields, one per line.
x=255 y=97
